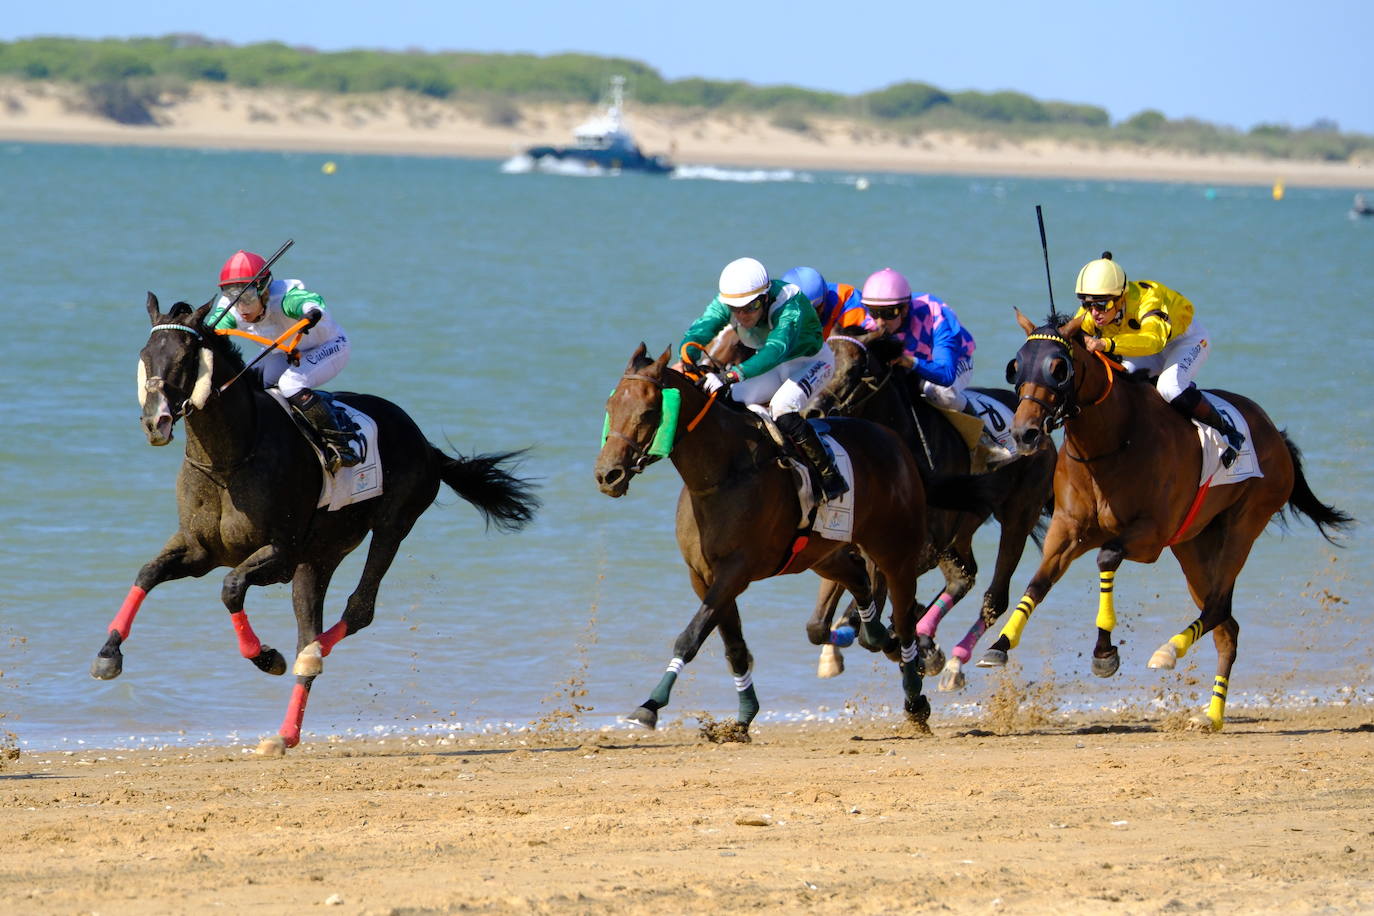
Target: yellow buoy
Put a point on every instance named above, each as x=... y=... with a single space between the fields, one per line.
x=1278 y=190
x=329 y=168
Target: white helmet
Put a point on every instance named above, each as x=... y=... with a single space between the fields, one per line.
x=742 y=281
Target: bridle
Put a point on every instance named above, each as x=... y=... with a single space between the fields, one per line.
x=157 y=382
x=667 y=433
x=1069 y=388
x=869 y=386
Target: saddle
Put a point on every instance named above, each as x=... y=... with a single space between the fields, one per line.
x=326 y=442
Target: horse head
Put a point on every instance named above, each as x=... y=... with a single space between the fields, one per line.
x=1043 y=377
x=641 y=422
x=862 y=367
x=175 y=368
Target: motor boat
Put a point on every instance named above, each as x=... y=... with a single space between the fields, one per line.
x=601 y=143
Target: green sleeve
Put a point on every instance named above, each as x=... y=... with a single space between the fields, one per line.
x=705 y=328
x=296 y=301
x=797 y=332
x=225 y=319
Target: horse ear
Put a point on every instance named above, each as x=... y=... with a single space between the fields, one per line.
x=1067 y=331
x=153 y=310
x=198 y=317
x=1026 y=324
x=639 y=356
x=662 y=361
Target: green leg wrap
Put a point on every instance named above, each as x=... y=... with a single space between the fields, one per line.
x=663 y=691
x=748 y=705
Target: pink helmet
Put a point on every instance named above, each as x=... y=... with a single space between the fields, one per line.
x=886 y=287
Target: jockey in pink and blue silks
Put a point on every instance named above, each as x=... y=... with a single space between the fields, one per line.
x=936 y=347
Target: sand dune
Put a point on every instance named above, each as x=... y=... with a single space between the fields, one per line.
x=215 y=116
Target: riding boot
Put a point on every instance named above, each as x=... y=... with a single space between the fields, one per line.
x=321 y=416
x=994 y=453
x=1194 y=406
x=803 y=436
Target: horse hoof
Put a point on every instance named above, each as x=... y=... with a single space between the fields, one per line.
x=645 y=717
x=993 y=658
x=270 y=661
x=274 y=746
x=918 y=712
x=952 y=678
x=1107 y=665
x=107 y=669
x=932 y=661
x=831 y=663
x=309 y=662
x=1204 y=724
x=1165 y=657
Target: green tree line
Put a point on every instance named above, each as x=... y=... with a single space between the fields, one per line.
x=123 y=79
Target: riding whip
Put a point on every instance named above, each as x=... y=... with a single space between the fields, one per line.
x=1045 y=248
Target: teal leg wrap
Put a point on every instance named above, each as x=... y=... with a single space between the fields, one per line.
x=748 y=705
x=659 y=698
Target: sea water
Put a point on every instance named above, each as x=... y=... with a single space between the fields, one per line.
x=499 y=309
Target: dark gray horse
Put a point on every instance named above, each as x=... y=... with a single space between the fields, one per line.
x=247 y=493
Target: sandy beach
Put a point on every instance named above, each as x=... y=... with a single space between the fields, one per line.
x=1072 y=816
x=216 y=116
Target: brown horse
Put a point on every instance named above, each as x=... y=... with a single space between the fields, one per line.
x=738 y=515
x=865 y=385
x=1127 y=484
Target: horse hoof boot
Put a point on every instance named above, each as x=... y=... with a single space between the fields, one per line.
x=952 y=678
x=993 y=658
x=107 y=668
x=644 y=717
x=310 y=662
x=270 y=661
x=1204 y=724
x=1106 y=665
x=1165 y=657
x=831 y=663
x=272 y=746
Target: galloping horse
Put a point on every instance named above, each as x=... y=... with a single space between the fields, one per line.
x=247 y=493
x=1128 y=483
x=866 y=386
x=738 y=514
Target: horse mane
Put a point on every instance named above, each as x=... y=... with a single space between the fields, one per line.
x=223 y=346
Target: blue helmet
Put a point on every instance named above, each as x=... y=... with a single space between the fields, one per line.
x=810 y=281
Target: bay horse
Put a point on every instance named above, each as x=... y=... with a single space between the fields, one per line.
x=866 y=385
x=1128 y=484
x=247 y=493
x=738 y=515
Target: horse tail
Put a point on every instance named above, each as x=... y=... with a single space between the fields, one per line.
x=1303 y=502
x=503 y=499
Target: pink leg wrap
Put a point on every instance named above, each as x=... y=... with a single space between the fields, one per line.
x=124 y=620
x=249 y=644
x=964 y=651
x=331 y=636
x=938 y=609
x=295 y=713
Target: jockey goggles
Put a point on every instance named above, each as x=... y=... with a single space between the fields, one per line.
x=753 y=305
x=885 y=312
x=244 y=292
x=1098 y=303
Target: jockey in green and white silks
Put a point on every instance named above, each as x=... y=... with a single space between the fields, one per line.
x=267 y=308
x=791 y=362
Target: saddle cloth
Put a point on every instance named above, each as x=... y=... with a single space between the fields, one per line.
x=996 y=416
x=348 y=485
x=1246 y=464
x=834 y=518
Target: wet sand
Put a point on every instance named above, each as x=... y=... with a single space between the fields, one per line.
x=1084 y=815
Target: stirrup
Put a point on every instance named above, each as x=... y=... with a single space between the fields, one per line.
x=833 y=485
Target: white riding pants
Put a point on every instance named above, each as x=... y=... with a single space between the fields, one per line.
x=788 y=386
x=317 y=367
x=1177 y=364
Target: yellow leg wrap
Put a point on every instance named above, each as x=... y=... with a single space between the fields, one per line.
x=1216 y=710
x=1017 y=623
x=1106 y=607
x=1184 y=641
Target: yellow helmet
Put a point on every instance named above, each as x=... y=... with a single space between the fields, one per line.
x=1103 y=277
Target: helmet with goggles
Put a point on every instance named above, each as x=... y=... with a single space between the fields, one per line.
x=885 y=288
x=742 y=281
x=1101 y=278
x=242 y=268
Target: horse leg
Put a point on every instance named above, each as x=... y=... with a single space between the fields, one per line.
x=714 y=599
x=1062 y=547
x=741 y=664
x=359 y=610
x=1106 y=660
x=959 y=569
x=308 y=588
x=265 y=566
x=179 y=558
x=831 y=662
x=900 y=571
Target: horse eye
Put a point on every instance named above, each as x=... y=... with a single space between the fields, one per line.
x=1011 y=372
x=1060 y=370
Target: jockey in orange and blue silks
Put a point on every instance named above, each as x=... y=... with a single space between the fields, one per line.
x=837 y=305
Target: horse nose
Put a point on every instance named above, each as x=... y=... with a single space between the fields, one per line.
x=1028 y=438
x=612 y=480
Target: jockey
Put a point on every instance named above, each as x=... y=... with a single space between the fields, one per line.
x=936 y=348
x=1151 y=327
x=791 y=362
x=836 y=303
x=268 y=308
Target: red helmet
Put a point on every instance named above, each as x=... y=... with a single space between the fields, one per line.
x=242 y=267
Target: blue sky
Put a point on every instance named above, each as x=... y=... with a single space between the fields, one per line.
x=1227 y=62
